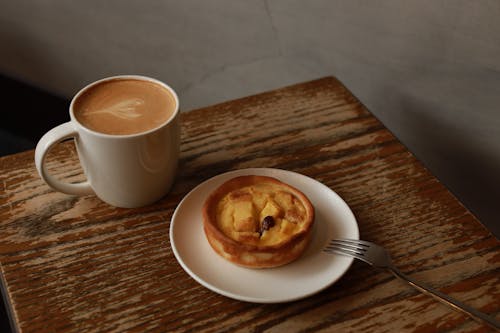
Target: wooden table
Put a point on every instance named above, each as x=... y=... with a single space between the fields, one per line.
x=76 y=264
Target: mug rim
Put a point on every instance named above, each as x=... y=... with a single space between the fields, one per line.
x=117 y=77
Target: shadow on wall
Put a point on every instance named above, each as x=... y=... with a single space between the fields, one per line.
x=26 y=53
x=440 y=145
x=30 y=112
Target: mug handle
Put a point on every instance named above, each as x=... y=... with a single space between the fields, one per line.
x=46 y=143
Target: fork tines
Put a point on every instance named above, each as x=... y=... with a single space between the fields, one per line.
x=351 y=247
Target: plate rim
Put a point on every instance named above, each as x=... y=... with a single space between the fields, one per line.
x=232 y=295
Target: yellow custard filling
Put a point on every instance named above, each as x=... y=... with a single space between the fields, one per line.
x=241 y=214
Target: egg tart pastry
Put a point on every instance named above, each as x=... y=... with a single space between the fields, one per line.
x=258 y=221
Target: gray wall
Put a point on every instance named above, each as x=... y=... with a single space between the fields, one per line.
x=429 y=70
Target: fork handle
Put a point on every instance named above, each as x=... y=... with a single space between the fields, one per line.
x=445 y=299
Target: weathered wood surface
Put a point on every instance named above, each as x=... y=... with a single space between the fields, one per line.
x=75 y=264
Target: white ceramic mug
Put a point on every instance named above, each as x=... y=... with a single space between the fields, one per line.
x=123 y=170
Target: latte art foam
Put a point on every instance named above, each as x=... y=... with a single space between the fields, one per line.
x=124 y=106
x=124 y=109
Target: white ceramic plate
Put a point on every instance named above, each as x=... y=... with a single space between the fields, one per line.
x=309 y=274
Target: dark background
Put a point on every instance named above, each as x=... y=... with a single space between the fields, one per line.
x=29 y=113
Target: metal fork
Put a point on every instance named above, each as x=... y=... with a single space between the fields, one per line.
x=378 y=257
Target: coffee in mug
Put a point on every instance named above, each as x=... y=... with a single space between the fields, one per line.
x=124 y=106
x=127 y=135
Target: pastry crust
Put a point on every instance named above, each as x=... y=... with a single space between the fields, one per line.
x=233 y=220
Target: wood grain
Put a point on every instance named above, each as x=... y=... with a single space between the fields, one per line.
x=76 y=264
